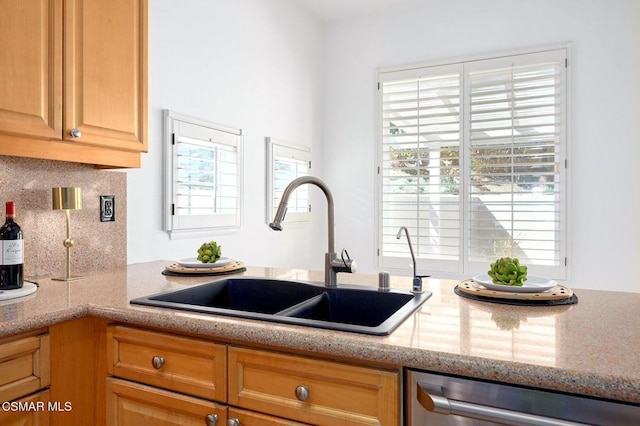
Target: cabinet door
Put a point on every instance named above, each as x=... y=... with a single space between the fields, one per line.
x=105 y=73
x=311 y=390
x=133 y=404
x=31 y=68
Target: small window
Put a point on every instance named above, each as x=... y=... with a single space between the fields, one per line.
x=203 y=185
x=286 y=162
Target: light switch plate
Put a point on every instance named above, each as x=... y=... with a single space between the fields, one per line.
x=107 y=208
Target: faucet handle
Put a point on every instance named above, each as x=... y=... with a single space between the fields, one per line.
x=342 y=254
x=350 y=264
x=417 y=283
x=347 y=265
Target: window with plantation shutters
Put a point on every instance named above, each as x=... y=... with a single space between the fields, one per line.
x=472 y=162
x=203 y=175
x=287 y=161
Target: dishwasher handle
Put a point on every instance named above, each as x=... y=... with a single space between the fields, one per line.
x=443 y=405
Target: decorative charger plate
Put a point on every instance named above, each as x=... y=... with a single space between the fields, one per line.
x=234 y=266
x=473 y=289
x=531 y=285
x=195 y=263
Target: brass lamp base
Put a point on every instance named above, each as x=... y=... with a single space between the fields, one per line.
x=71 y=278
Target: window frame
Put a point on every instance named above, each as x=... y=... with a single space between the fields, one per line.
x=187 y=226
x=463 y=266
x=300 y=153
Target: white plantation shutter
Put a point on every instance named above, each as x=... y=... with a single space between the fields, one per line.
x=203 y=162
x=472 y=161
x=516 y=112
x=420 y=166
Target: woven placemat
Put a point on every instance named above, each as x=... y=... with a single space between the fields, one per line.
x=557 y=296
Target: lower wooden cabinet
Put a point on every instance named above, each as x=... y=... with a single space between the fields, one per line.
x=165 y=379
x=24 y=377
x=31 y=410
x=134 y=404
x=312 y=390
x=24 y=365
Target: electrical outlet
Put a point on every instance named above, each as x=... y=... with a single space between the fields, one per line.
x=107 y=208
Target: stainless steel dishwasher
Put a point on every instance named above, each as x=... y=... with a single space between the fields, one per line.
x=438 y=400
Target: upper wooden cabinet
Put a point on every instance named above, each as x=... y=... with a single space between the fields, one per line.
x=73 y=80
x=105 y=72
x=31 y=68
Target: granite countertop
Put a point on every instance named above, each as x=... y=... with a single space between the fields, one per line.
x=590 y=348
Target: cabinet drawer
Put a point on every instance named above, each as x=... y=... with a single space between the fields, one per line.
x=336 y=393
x=183 y=364
x=135 y=404
x=24 y=366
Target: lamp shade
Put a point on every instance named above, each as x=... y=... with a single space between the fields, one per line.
x=67 y=198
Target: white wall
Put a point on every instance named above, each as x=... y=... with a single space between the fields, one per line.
x=271 y=69
x=604 y=155
x=251 y=64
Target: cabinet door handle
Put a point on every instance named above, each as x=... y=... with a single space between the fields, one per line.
x=233 y=422
x=75 y=133
x=211 y=419
x=302 y=393
x=157 y=362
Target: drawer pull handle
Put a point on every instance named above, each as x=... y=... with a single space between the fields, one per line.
x=302 y=393
x=157 y=362
x=75 y=133
x=211 y=419
x=233 y=422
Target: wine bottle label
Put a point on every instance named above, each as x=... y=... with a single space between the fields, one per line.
x=12 y=252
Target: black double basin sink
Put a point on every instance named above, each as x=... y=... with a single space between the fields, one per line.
x=346 y=308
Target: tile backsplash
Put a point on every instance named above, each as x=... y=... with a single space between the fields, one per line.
x=98 y=245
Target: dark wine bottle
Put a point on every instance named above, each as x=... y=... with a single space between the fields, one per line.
x=12 y=257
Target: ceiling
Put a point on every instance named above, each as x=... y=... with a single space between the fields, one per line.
x=335 y=10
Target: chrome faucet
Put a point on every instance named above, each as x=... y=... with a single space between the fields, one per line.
x=417 y=279
x=332 y=265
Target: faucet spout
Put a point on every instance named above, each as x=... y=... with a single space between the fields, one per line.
x=417 y=279
x=276 y=225
x=413 y=257
x=333 y=265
